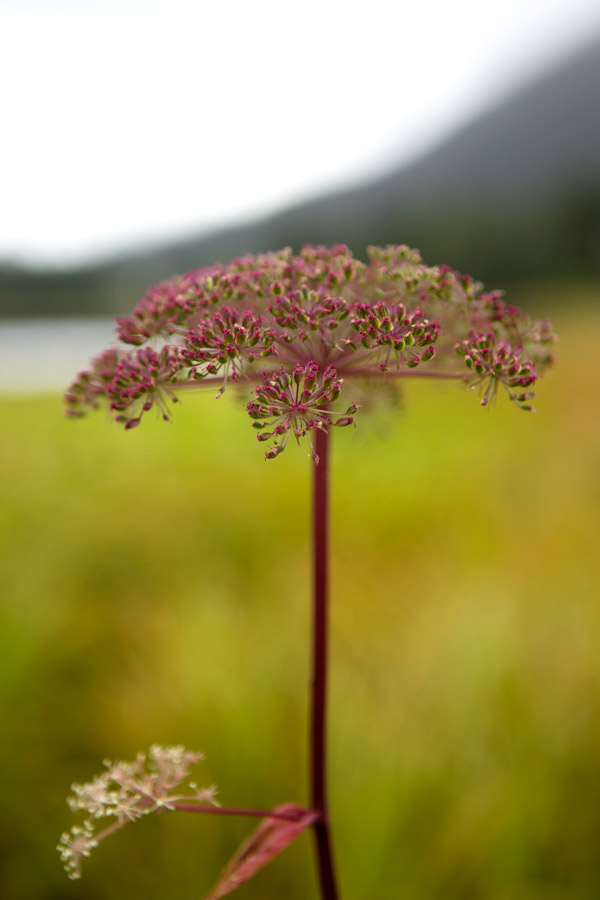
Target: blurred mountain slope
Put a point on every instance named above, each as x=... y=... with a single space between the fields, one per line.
x=512 y=195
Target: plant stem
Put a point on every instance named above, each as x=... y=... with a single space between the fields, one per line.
x=185 y=806
x=318 y=735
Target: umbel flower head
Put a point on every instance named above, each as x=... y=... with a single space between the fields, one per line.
x=124 y=792
x=297 y=328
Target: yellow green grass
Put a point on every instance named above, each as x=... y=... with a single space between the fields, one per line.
x=155 y=588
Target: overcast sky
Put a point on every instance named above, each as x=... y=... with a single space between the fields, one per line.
x=127 y=121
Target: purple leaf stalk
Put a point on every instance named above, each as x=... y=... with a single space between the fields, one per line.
x=292 y=330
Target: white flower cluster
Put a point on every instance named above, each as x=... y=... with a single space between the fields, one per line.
x=126 y=791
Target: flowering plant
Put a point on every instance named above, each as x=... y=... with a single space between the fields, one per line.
x=294 y=329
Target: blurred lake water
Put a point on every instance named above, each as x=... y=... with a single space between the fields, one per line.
x=43 y=355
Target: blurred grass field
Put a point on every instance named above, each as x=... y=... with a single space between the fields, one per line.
x=155 y=588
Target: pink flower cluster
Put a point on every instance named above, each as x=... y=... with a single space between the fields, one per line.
x=296 y=402
x=498 y=363
x=295 y=327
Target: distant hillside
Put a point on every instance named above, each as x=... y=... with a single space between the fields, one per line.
x=515 y=194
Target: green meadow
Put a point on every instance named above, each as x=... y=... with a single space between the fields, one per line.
x=155 y=588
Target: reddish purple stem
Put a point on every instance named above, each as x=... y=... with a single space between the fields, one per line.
x=318 y=722
x=318 y=736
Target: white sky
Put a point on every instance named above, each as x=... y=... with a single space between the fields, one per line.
x=125 y=121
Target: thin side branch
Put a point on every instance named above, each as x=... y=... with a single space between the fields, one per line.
x=183 y=806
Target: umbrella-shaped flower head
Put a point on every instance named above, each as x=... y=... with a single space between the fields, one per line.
x=298 y=328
